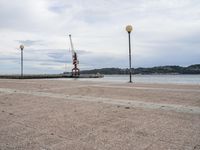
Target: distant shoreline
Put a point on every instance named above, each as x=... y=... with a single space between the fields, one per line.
x=160 y=70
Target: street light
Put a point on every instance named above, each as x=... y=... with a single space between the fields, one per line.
x=21 y=47
x=129 y=28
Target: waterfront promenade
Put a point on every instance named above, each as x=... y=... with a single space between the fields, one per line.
x=81 y=115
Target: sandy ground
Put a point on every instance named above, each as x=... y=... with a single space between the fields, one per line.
x=82 y=115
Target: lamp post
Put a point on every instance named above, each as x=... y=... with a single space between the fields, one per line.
x=21 y=47
x=129 y=28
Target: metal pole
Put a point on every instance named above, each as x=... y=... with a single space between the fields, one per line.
x=21 y=62
x=130 y=71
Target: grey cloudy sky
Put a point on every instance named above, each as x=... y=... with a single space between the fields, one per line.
x=166 y=32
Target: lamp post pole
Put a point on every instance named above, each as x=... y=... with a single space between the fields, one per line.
x=21 y=47
x=130 y=71
x=129 y=29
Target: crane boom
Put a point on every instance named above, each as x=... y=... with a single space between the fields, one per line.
x=72 y=46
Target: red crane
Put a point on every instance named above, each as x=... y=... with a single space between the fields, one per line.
x=75 y=62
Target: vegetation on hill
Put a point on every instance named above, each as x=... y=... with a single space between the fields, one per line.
x=193 y=69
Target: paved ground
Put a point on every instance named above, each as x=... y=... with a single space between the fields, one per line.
x=80 y=115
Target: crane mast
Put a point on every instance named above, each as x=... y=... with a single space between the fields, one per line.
x=75 y=62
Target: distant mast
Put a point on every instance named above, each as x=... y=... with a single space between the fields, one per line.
x=75 y=62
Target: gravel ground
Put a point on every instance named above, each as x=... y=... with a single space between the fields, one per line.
x=82 y=115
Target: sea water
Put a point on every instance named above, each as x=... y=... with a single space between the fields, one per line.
x=175 y=79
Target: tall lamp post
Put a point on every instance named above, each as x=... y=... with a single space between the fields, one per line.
x=21 y=47
x=129 y=28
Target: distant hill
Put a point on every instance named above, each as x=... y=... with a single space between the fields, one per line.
x=193 y=69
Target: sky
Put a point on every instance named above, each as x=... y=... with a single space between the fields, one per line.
x=165 y=32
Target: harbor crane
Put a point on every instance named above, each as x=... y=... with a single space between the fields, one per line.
x=75 y=62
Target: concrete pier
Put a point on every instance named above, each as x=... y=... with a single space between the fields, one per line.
x=82 y=115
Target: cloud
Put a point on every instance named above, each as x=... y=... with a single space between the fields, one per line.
x=165 y=32
x=30 y=42
x=58 y=7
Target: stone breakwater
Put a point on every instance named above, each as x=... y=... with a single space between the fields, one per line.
x=42 y=76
